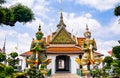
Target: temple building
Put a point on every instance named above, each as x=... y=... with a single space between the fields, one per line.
x=62 y=48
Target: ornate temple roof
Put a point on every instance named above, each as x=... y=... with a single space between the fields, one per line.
x=62 y=50
x=56 y=43
x=62 y=36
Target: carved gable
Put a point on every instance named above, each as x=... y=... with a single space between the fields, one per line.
x=62 y=37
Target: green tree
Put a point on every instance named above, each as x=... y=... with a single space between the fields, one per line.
x=116 y=62
x=2 y=1
x=34 y=72
x=2 y=57
x=117 y=11
x=116 y=52
x=16 y=13
x=14 y=55
x=13 y=60
x=6 y=71
x=9 y=70
x=108 y=60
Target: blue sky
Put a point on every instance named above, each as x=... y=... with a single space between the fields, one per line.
x=97 y=14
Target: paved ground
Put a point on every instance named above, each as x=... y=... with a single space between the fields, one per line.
x=64 y=75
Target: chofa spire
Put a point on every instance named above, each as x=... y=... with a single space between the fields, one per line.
x=61 y=22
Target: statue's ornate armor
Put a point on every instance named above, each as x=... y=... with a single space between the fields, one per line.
x=38 y=48
x=88 y=46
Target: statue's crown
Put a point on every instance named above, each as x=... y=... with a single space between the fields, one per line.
x=87 y=33
x=39 y=30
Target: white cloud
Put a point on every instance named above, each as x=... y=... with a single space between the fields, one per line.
x=105 y=46
x=28 y=3
x=23 y=42
x=99 y=32
x=101 y=5
x=46 y=28
x=39 y=7
x=4 y=33
x=78 y=23
x=35 y=24
x=88 y=15
x=13 y=38
x=115 y=27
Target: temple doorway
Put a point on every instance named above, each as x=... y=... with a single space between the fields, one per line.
x=63 y=63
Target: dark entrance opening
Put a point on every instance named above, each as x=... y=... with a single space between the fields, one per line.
x=62 y=63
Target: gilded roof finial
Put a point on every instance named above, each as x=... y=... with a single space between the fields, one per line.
x=61 y=22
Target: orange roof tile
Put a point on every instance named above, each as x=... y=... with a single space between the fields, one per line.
x=28 y=53
x=63 y=50
x=57 y=50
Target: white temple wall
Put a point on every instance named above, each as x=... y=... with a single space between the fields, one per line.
x=52 y=64
x=23 y=63
x=73 y=63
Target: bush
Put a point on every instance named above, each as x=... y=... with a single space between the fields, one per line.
x=14 y=54
x=9 y=70
x=2 y=57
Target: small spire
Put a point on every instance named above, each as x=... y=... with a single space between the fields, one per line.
x=4 y=49
x=39 y=29
x=61 y=22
